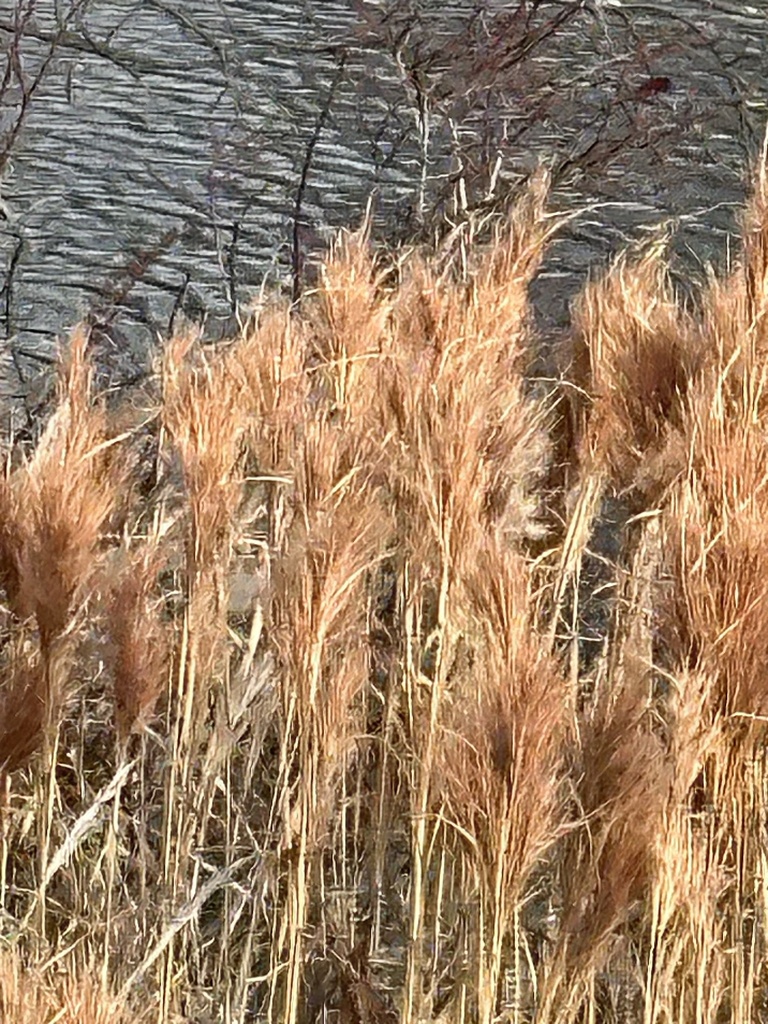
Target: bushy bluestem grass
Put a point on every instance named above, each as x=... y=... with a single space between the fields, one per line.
x=295 y=724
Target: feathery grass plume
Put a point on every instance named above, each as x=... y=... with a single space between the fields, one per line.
x=319 y=605
x=635 y=354
x=733 y=325
x=64 y=496
x=22 y=705
x=270 y=363
x=318 y=496
x=686 y=963
x=717 y=540
x=500 y=765
x=715 y=529
x=348 y=313
x=60 y=501
x=500 y=278
x=635 y=351
x=716 y=620
x=83 y=1001
x=318 y=619
x=607 y=869
x=141 y=644
x=204 y=413
x=468 y=447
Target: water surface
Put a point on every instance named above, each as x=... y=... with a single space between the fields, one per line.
x=157 y=170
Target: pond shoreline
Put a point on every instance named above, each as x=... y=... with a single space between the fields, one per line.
x=176 y=140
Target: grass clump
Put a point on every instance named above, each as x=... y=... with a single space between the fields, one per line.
x=295 y=722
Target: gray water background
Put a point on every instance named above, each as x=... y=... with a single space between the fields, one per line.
x=175 y=131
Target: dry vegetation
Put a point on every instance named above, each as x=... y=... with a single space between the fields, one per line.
x=296 y=722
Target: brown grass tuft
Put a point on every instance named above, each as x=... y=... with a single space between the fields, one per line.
x=204 y=414
x=141 y=644
x=635 y=353
x=500 y=766
x=63 y=499
x=22 y=707
x=374 y=783
x=348 y=316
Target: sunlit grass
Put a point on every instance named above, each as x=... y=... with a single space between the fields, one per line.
x=296 y=724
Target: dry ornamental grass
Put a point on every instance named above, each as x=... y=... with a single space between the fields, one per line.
x=300 y=727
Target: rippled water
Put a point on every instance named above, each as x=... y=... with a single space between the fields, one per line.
x=172 y=133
